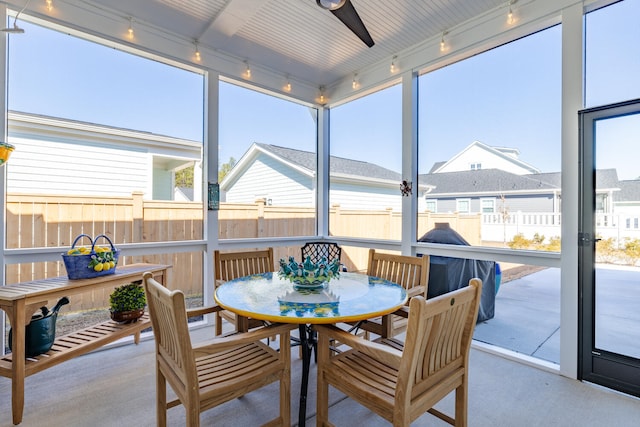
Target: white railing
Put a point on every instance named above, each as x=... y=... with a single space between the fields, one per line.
x=500 y=228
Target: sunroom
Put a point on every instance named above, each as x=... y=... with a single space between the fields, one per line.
x=180 y=129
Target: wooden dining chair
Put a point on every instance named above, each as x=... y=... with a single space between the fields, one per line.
x=231 y=265
x=223 y=369
x=412 y=273
x=400 y=384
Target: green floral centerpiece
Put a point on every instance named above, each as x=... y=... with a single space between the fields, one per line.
x=308 y=274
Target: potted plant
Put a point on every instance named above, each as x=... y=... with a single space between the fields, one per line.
x=127 y=302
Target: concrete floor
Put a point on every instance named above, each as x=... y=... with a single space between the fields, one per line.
x=115 y=387
x=527 y=316
x=527 y=313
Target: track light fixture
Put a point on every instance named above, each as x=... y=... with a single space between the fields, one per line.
x=354 y=83
x=130 y=30
x=510 y=17
x=197 y=53
x=321 y=99
x=392 y=67
x=287 y=85
x=443 y=43
x=247 y=70
x=49 y=5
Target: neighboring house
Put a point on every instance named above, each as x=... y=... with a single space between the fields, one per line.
x=477 y=156
x=627 y=200
x=286 y=177
x=489 y=191
x=492 y=190
x=470 y=183
x=60 y=156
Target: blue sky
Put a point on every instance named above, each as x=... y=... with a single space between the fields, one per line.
x=509 y=96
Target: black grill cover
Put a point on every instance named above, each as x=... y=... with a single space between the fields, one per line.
x=447 y=274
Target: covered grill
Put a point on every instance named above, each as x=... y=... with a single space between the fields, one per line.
x=447 y=274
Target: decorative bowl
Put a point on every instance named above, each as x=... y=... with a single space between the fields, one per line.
x=310 y=282
x=308 y=274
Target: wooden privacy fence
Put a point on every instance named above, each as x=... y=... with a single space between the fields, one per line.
x=35 y=221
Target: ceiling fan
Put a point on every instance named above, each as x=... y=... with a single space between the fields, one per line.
x=345 y=12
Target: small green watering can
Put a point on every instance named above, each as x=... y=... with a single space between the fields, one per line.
x=41 y=332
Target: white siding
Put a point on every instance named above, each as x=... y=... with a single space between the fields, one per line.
x=488 y=160
x=41 y=166
x=350 y=196
x=271 y=179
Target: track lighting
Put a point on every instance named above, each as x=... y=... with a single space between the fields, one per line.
x=130 y=30
x=49 y=5
x=321 y=99
x=354 y=83
x=510 y=17
x=443 y=46
x=287 y=86
x=392 y=67
x=198 y=57
x=247 y=71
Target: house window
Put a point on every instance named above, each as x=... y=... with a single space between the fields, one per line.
x=463 y=205
x=476 y=166
x=431 y=205
x=488 y=205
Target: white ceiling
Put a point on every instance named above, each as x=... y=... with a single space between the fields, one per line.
x=297 y=37
x=297 y=41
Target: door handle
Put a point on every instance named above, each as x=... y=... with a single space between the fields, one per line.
x=585 y=239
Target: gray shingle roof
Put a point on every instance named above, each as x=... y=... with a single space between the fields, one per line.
x=607 y=178
x=483 y=180
x=337 y=165
x=463 y=182
x=630 y=191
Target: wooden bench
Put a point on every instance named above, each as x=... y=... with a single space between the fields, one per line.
x=22 y=300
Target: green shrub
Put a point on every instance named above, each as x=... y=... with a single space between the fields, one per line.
x=128 y=297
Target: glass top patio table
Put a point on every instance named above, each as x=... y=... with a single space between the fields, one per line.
x=347 y=298
x=351 y=297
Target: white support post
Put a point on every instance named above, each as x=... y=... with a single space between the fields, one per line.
x=210 y=158
x=322 y=173
x=409 y=159
x=3 y=169
x=572 y=80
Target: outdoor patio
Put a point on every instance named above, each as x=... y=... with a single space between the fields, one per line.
x=527 y=316
x=116 y=387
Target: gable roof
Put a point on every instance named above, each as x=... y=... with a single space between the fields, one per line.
x=489 y=181
x=338 y=165
x=508 y=154
x=629 y=191
x=607 y=179
x=471 y=182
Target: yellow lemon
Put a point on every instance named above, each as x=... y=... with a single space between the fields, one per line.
x=105 y=265
x=98 y=267
x=112 y=264
x=73 y=252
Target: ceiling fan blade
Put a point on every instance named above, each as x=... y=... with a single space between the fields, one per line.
x=349 y=17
